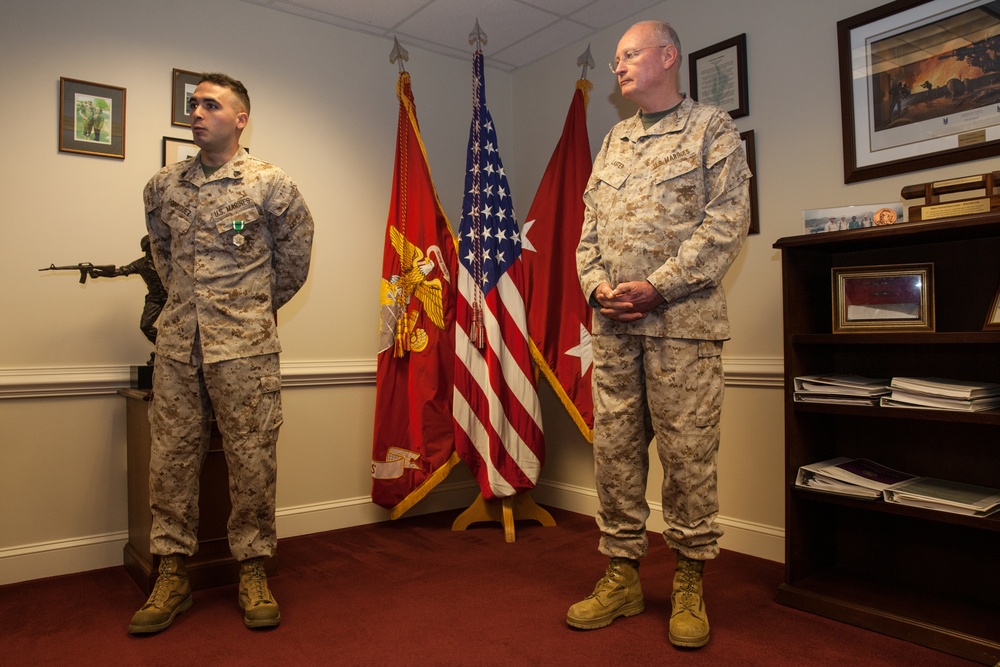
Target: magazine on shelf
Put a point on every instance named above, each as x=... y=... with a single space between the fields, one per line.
x=959 y=389
x=944 y=495
x=813 y=476
x=808 y=397
x=905 y=399
x=866 y=473
x=842 y=385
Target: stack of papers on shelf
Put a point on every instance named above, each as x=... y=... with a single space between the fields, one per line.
x=843 y=389
x=944 y=495
x=938 y=394
x=852 y=477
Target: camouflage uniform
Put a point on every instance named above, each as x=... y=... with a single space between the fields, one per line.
x=231 y=249
x=669 y=205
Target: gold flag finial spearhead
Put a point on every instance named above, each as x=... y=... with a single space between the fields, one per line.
x=398 y=54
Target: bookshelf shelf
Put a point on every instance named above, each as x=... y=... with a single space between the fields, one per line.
x=924 y=576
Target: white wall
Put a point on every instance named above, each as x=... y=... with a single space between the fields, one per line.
x=324 y=108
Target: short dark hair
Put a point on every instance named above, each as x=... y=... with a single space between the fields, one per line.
x=226 y=81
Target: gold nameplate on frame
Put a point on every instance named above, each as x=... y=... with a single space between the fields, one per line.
x=934 y=209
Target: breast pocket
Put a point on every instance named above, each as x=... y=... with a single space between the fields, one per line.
x=178 y=218
x=241 y=234
x=679 y=187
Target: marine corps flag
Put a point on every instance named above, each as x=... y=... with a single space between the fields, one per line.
x=558 y=314
x=414 y=443
x=497 y=415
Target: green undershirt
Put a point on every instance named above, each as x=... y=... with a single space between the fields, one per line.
x=651 y=119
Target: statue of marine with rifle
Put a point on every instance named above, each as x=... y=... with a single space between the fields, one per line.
x=156 y=294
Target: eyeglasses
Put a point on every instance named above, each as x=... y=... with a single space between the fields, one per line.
x=629 y=56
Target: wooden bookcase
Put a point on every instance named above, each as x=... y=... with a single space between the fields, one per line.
x=929 y=577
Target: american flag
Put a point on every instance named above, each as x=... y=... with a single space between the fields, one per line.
x=498 y=420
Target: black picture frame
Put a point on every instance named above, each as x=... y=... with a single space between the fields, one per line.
x=901 y=110
x=91 y=118
x=184 y=83
x=717 y=75
x=749 y=147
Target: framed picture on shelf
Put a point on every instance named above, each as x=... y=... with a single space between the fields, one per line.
x=993 y=317
x=718 y=75
x=751 y=153
x=870 y=299
x=917 y=86
x=184 y=83
x=175 y=150
x=91 y=118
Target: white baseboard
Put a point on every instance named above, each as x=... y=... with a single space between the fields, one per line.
x=50 y=559
x=744 y=537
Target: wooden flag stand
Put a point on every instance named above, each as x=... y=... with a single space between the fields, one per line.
x=505 y=511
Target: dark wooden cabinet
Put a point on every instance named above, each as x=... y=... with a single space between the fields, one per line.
x=925 y=576
x=213 y=564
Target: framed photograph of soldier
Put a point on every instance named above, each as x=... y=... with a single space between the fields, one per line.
x=175 y=150
x=91 y=118
x=883 y=298
x=718 y=75
x=184 y=83
x=918 y=86
x=751 y=153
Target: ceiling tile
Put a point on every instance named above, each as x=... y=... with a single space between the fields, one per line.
x=518 y=32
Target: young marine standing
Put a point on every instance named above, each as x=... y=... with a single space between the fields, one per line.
x=231 y=237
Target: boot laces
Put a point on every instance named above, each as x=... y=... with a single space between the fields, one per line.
x=162 y=589
x=609 y=581
x=257 y=584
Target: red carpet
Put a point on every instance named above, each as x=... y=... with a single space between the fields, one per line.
x=412 y=592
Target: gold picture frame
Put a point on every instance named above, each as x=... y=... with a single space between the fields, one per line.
x=993 y=317
x=886 y=298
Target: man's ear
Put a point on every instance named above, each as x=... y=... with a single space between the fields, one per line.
x=671 y=57
x=242 y=118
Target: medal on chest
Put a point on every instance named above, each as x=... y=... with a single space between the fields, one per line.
x=238 y=239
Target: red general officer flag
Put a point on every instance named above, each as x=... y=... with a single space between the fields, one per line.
x=498 y=418
x=414 y=442
x=558 y=313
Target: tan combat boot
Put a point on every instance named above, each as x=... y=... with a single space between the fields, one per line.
x=688 y=617
x=258 y=605
x=618 y=593
x=171 y=595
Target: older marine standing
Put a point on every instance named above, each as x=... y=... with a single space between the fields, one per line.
x=231 y=238
x=667 y=211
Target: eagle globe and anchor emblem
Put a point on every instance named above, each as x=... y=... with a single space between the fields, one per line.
x=398 y=324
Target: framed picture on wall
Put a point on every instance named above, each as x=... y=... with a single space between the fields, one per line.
x=91 y=118
x=175 y=150
x=718 y=75
x=184 y=83
x=751 y=152
x=917 y=86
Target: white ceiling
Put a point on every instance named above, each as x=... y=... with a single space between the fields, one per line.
x=518 y=32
